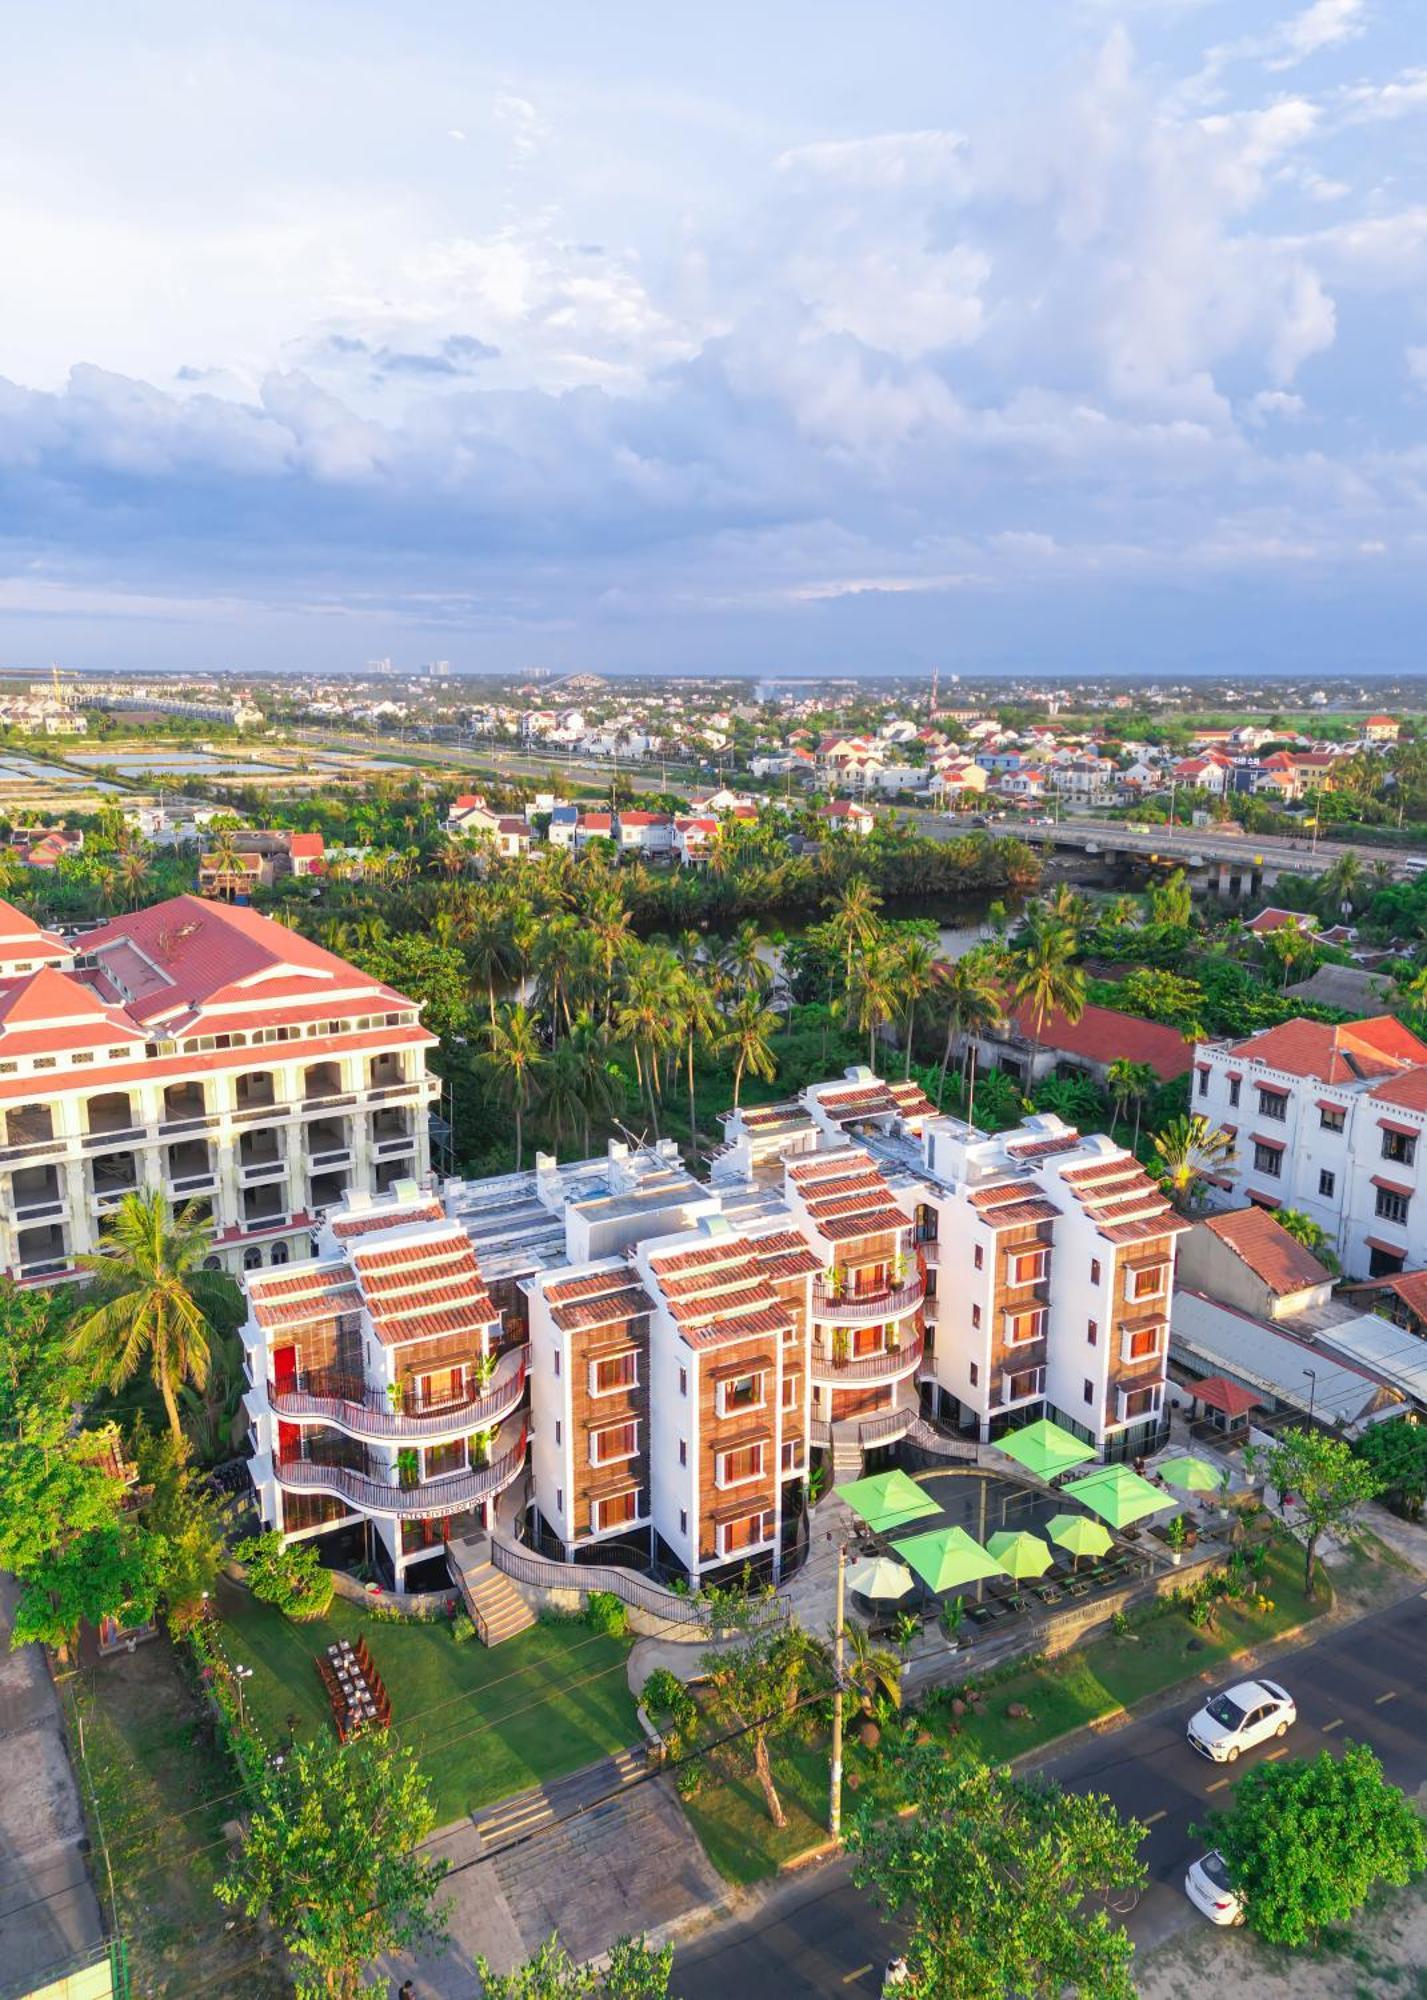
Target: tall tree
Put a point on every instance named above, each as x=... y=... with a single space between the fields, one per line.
x=754 y=1688
x=647 y=1015
x=1130 y=1083
x=972 y=999
x=699 y=1028
x=330 y=1861
x=1188 y=1150
x=997 y=1877
x=1306 y=1844
x=634 y=1970
x=154 y=1303
x=854 y=924
x=1045 y=976
x=1170 y=901
x=918 y=967
x=1327 y=1481
x=874 y=993
x=513 y=1058
x=747 y=1031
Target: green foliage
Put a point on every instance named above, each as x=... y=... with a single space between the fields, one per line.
x=1397 y=1453
x=185 y=1522
x=1329 y=1484
x=756 y=1685
x=329 y=1860
x=635 y=1970
x=604 y=1612
x=1310 y=1234
x=995 y=1876
x=288 y=1576
x=428 y=971
x=113 y=1571
x=1306 y=1843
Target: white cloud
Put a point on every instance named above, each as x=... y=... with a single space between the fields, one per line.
x=1270 y=403
x=1365 y=103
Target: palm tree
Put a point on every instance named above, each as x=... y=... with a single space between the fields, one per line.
x=973 y=1004
x=1046 y=975
x=874 y=993
x=601 y=1087
x=512 y=1056
x=1130 y=1083
x=562 y=1087
x=748 y=1027
x=854 y=924
x=698 y=1025
x=1188 y=1149
x=917 y=969
x=742 y=960
x=488 y=949
x=647 y=1016
x=155 y=1299
x=871 y=1669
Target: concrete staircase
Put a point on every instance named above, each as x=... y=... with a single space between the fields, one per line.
x=846 y=1454
x=497 y=1608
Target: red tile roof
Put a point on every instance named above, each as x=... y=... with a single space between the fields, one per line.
x=344 y=1227
x=1102 y=1035
x=1348 y=1054
x=1409 y=1286
x=1275 y=1257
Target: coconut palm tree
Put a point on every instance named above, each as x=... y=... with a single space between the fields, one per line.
x=854 y=924
x=973 y=1004
x=747 y=1029
x=741 y=959
x=1046 y=977
x=562 y=1086
x=874 y=993
x=918 y=966
x=513 y=1058
x=869 y=1668
x=1188 y=1149
x=154 y=1301
x=1130 y=1083
x=647 y=1016
x=601 y=1087
x=698 y=1028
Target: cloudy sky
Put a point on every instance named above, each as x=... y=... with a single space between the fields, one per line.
x=1060 y=335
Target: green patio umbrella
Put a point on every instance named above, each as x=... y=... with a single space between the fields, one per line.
x=1191 y=1475
x=946 y=1557
x=1117 y=1494
x=887 y=1501
x=1078 y=1535
x=879 y=1577
x=1044 y=1448
x=1018 y=1553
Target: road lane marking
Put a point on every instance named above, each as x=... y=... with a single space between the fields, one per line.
x=1275 y=1754
x=1151 y=1818
x=1336 y=1723
x=848 y=1977
x=1219 y=1785
x=1391 y=1695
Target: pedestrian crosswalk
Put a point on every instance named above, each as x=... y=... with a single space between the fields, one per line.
x=531 y=1812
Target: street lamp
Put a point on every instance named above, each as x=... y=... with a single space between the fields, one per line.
x=241 y=1674
x=1312 y=1374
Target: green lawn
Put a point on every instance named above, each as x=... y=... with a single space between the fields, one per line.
x=1082 y=1686
x=484 y=1722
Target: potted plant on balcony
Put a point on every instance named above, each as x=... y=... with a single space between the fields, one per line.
x=1176 y=1537
x=953 y=1613
x=841 y=1346
x=832 y=1281
x=480 y=1372
x=479 y=1446
x=408 y=1467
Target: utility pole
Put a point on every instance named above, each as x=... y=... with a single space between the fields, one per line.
x=834 y=1811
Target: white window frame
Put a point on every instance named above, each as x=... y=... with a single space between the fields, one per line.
x=599 y=1526
x=723 y=1483
x=768 y=1519
x=1035 y=1314
x=1160 y=1331
x=620 y=1388
x=760 y=1375
x=616 y=1457
x=1041 y=1255
x=1134 y=1273
x=1027 y=1395
x=1123 y=1395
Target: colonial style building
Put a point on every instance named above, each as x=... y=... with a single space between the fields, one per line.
x=203 y=1051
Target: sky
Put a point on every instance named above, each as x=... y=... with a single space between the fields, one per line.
x=1060 y=336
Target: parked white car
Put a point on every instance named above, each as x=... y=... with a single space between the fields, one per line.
x=1209 y=1889
x=1240 y=1718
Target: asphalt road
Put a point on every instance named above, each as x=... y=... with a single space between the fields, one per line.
x=817 y=1935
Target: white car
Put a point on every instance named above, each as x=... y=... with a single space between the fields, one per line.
x=1239 y=1718
x=1208 y=1887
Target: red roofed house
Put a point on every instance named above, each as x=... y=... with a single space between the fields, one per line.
x=593 y=826
x=507 y=834
x=1246 y=1258
x=1270 y=920
x=845 y=816
x=24 y=947
x=1381 y=729
x=646 y=833
x=45 y=846
x=1210 y=773
x=207 y=1052
x=694 y=839
x=1086 y=1047
x=1330 y=1121
x=385 y=1391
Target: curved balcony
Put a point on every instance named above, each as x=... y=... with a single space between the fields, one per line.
x=368 y=1418
x=451 y=1495
x=891 y=1364
x=855 y=1308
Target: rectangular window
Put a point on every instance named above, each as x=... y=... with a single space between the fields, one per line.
x=1024 y=1326
x=1028 y=1267
x=1399 y=1146
x=745 y=1533
x=978 y=1256
x=736 y=1468
x=557 y=1362
x=1273 y=1104
x=683 y=1381
x=1391 y=1207
x=615 y=1372
x=1203 y=1083
x=1147 y=1282
x=1089 y=1390
x=614 y=1442
x=683 y=1520
x=444 y=1459
x=1140 y=1402
x=1094 y=1270
x=975 y=1374
x=559 y=1499
x=792 y=1391
x=615 y=1512
x=740 y=1393
x=1268 y=1160
x=1233 y=1090
x=792 y=1455
x=1330 y=1120
x=1140 y=1345
x=1092 y=1333
x=559 y=1431
x=1326 y=1183
x=1028 y=1382
x=976 y=1315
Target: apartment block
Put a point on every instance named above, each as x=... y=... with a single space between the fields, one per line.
x=202 y=1051
x=1331 y=1122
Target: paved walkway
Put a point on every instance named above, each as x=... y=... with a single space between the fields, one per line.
x=48 y=1910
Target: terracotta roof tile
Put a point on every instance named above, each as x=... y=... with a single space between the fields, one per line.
x=1355 y=1051
x=1260 y=1240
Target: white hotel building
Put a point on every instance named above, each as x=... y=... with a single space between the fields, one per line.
x=207 y=1053
x=675 y=1351
x=1332 y=1122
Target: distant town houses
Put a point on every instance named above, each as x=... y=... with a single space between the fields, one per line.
x=257 y=858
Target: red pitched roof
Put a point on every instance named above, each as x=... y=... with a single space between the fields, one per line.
x=305 y=846
x=1260 y=1240
x=1359 y=1049
x=1103 y=1036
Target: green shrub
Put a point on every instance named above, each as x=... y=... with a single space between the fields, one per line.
x=463 y=1628
x=290 y=1577
x=604 y=1612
